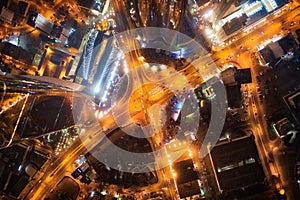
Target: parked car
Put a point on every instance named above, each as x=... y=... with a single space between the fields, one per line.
x=76 y=173
x=85 y=179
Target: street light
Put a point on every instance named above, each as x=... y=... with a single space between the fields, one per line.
x=174 y=174
x=208 y=14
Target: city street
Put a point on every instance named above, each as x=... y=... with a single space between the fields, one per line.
x=130 y=112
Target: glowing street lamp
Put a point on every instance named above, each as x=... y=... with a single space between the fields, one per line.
x=174 y=174
x=208 y=14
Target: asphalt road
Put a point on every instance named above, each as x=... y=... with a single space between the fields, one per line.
x=251 y=40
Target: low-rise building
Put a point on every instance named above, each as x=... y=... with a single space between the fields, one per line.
x=187 y=180
x=283 y=127
x=228 y=76
x=7 y=15
x=16 y=52
x=272 y=53
x=237 y=165
x=38 y=21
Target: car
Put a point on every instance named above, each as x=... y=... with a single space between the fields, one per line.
x=85 y=179
x=267 y=82
x=258 y=90
x=156 y=194
x=76 y=173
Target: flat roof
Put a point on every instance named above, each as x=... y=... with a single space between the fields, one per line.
x=234 y=96
x=243 y=76
x=188 y=189
x=185 y=171
x=237 y=163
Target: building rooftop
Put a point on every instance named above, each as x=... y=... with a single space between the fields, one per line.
x=186 y=178
x=234 y=96
x=237 y=164
x=243 y=76
x=185 y=171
